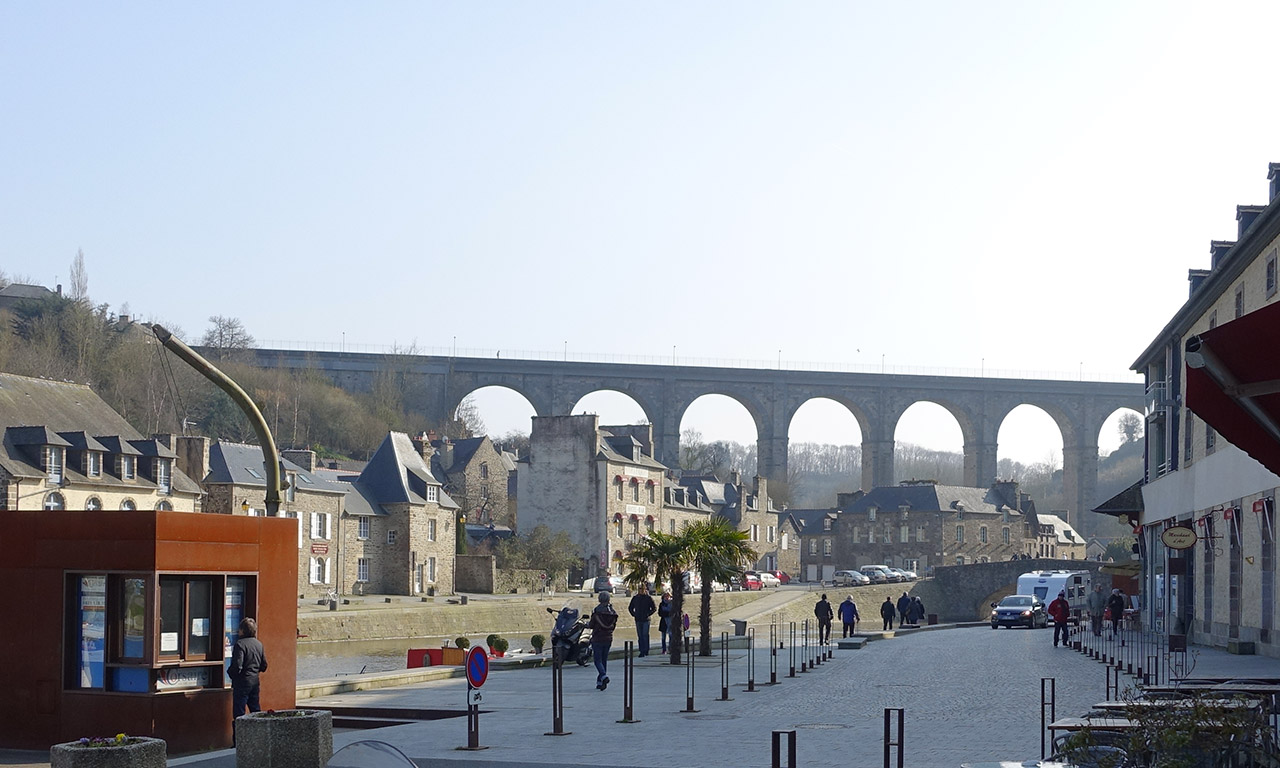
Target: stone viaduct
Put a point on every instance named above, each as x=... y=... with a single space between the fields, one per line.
x=437 y=385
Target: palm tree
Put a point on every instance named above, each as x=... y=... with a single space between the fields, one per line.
x=718 y=552
x=661 y=554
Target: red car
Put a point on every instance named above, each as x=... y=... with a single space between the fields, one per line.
x=782 y=577
x=750 y=581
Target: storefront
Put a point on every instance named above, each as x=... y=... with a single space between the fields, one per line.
x=128 y=619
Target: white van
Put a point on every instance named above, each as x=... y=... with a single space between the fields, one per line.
x=880 y=574
x=1047 y=584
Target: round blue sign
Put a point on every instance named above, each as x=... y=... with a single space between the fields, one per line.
x=477 y=666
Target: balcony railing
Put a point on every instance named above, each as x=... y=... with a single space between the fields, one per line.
x=1157 y=398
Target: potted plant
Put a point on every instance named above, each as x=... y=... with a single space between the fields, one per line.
x=290 y=738
x=456 y=655
x=500 y=647
x=537 y=642
x=120 y=751
x=488 y=641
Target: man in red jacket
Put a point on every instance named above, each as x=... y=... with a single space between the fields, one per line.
x=1059 y=610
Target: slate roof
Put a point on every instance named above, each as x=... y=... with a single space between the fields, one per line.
x=35 y=436
x=1127 y=502
x=81 y=442
x=809 y=520
x=241 y=464
x=396 y=474
x=931 y=497
x=611 y=448
x=19 y=291
x=1062 y=531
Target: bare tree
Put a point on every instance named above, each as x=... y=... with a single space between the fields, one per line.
x=78 y=290
x=227 y=336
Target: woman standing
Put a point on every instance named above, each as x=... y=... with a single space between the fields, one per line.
x=664 y=619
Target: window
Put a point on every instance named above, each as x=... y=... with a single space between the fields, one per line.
x=618 y=483
x=635 y=491
x=1271 y=275
x=93 y=464
x=362 y=528
x=1189 y=428
x=826 y=523
x=319 y=525
x=648 y=524
x=617 y=526
x=904 y=534
x=920 y=532
x=755 y=532
x=855 y=535
x=784 y=542
x=53 y=463
x=127 y=505
x=431 y=570
x=1004 y=534
x=826 y=547
x=93 y=504
x=982 y=534
x=484 y=470
x=362 y=569
x=164 y=506
x=1213 y=319
x=128 y=468
x=651 y=493
x=671 y=526
x=960 y=534
x=871 y=534
x=433 y=494
x=55 y=501
x=1239 y=301
x=163 y=477
x=871 y=514
x=186 y=617
x=813 y=546
x=391 y=536
x=320 y=570
x=291 y=492
x=771 y=533
x=431 y=530
x=1210 y=438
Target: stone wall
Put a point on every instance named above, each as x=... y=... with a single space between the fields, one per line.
x=475 y=573
x=526 y=581
x=964 y=592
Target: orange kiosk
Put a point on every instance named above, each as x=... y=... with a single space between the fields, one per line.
x=124 y=621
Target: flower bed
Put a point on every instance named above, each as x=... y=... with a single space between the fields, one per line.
x=119 y=752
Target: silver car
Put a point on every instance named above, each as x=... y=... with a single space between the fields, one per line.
x=850 y=579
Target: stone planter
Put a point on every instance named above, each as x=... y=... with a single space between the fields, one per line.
x=138 y=752
x=292 y=738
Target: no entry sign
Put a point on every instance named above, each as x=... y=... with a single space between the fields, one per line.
x=477 y=666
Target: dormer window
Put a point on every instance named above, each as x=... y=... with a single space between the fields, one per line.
x=433 y=494
x=871 y=514
x=163 y=477
x=93 y=464
x=128 y=469
x=53 y=464
x=826 y=523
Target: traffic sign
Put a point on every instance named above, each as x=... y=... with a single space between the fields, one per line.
x=474 y=696
x=477 y=666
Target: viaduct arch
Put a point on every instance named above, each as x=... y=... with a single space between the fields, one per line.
x=438 y=385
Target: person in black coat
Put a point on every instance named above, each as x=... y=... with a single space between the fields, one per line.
x=904 y=609
x=641 y=608
x=1115 y=604
x=248 y=659
x=824 y=613
x=886 y=612
x=602 y=623
x=664 y=619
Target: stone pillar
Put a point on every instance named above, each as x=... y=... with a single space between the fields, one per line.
x=1079 y=480
x=771 y=462
x=980 y=464
x=877 y=463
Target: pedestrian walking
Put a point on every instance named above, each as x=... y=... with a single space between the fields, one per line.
x=824 y=613
x=1060 y=611
x=886 y=613
x=603 y=621
x=1115 y=604
x=248 y=660
x=849 y=616
x=1097 y=604
x=641 y=608
x=904 y=609
x=664 y=619
x=917 y=610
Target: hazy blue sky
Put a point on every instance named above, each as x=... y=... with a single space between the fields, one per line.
x=1015 y=187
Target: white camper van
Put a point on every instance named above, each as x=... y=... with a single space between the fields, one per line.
x=1047 y=584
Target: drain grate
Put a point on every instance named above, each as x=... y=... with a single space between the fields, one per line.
x=821 y=726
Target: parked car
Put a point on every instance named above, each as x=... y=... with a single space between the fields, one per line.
x=879 y=574
x=905 y=575
x=614 y=585
x=850 y=579
x=766 y=578
x=751 y=581
x=1019 y=611
x=783 y=576
x=911 y=575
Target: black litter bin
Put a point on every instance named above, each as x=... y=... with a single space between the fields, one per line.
x=739 y=627
x=933 y=619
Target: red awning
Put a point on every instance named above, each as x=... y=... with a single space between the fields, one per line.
x=1233 y=382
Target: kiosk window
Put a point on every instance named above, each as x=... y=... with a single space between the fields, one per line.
x=186 y=616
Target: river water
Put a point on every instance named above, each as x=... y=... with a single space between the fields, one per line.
x=323 y=661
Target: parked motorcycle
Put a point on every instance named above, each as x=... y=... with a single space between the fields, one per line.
x=567 y=641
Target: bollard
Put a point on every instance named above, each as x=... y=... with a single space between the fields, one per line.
x=805 y=663
x=792 y=673
x=890 y=742
x=724 y=667
x=791 y=749
x=1049 y=700
x=688 y=676
x=557 y=700
x=773 y=654
x=628 y=684
x=751 y=660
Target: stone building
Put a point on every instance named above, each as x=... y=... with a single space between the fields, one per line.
x=1210 y=459
x=475 y=474
x=235 y=484
x=65 y=448
x=750 y=509
x=917 y=525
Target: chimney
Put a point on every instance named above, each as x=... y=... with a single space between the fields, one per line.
x=762 y=493
x=1196 y=277
x=58 y=289
x=446 y=453
x=302 y=457
x=1007 y=491
x=1273 y=176
x=333 y=465
x=124 y=321
x=1246 y=215
x=735 y=477
x=164 y=438
x=1218 y=251
x=193 y=456
x=423 y=445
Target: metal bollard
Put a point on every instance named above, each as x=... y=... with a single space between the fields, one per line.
x=751 y=660
x=1049 y=700
x=777 y=749
x=773 y=654
x=724 y=667
x=805 y=663
x=628 y=685
x=557 y=701
x=792 y=673
x=890 y=742
x=688 y=676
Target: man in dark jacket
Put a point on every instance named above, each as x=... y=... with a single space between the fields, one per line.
x=1115 y=604
x=641 y=608
x=886 y=612
x=248 y=659
x=824 y=613
x=603 y=621
x=1060 y=612
x=849 y=615
x=904 y=609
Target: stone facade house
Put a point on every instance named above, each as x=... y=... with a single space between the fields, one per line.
x=235 y=484
x=474 y=473
x=65 y=448
x=750 y=509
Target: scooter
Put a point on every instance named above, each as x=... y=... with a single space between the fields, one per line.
x=567 y=642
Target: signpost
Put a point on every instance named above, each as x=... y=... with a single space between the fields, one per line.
x=477 y=669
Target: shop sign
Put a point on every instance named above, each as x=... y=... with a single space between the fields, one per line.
x=176 y=678
x=1178 y=537
x=319 y=549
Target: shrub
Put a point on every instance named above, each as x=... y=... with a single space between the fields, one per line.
x=488 y=641
x=537 y=641
x=461 y=642
x=501 y=644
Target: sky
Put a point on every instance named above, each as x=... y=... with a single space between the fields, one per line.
x=1001 y=188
